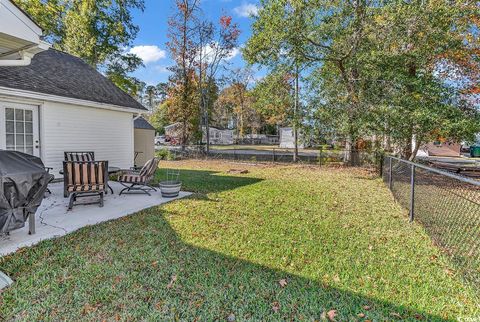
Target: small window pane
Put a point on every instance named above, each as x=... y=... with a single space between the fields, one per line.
x=29 y=140
x=10 y=140
x=9 y=114
x=19 y=141
x=28 y=127
x=29 y=150
x=19 y=127
x=28 y=115
x=18 y=115
x=10 y=127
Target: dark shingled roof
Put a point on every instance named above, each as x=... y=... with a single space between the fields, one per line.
x=56 y=73
x=141 y=123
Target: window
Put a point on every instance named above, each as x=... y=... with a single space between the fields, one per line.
x=19 y=130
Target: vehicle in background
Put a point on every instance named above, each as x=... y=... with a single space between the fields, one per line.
x=160 y=139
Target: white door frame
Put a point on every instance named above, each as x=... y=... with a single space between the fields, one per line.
x=35 y=123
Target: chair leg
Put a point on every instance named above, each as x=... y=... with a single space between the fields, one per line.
x=72 y=199
x=126 y=188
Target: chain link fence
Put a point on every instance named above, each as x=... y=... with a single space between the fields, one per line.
x=276 y=154
x=447 y=205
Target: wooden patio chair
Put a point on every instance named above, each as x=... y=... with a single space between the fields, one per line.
x=134 y=180
x=85 y=179
x=79 y=156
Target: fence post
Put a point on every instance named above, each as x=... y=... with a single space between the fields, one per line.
x=274 y=155
x=390 y=173
x=380 y=162
x=412 y=193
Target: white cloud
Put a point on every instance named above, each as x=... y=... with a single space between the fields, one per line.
x=149 y=54
x=235 y=52
x=208 y=53
x=246 y=10
x=161 y=69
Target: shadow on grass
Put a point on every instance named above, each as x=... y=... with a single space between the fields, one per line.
x=139 y=268
x=204 y=182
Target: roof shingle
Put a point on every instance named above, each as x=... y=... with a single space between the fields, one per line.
x=57 y=73
x=141 y=123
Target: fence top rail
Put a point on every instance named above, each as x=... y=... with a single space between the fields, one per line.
x=445 y=173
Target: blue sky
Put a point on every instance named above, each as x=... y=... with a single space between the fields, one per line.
x=153 y=24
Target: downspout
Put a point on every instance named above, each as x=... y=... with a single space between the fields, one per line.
x=25 y=61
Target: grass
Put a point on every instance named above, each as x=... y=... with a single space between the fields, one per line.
x=335 y=237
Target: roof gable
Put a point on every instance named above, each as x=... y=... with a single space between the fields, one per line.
x=140 y=123
x=57 y=73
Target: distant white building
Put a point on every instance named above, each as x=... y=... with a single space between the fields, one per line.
x=287 y=139
x=218 y=136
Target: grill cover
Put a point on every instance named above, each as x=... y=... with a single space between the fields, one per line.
x=23 y=182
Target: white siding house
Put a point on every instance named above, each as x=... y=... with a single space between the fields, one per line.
x=52 y=102
x=218 y=136
x=287 y=139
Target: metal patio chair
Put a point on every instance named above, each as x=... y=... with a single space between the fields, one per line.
x=85 y=179
x=134 y=180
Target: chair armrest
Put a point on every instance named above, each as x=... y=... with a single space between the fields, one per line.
x=127 y=171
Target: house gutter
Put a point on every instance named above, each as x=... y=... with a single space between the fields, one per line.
x=24 y=61
x=6 y=92
x=25 y=53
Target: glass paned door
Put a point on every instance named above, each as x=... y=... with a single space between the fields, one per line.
x=21 y=129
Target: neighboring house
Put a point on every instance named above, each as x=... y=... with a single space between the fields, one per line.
x=144 y=143
x=51 y=102
x=258 y=139
x=287 y=139
x=218 y=136
x=440 y=149
x=173 y=133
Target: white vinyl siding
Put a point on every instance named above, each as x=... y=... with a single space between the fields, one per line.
x=66 y=127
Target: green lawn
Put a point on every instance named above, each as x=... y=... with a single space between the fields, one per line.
x=333 y=238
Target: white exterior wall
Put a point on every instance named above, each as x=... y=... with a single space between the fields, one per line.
x=287 y=139
x=67 y=127
x=145 y=145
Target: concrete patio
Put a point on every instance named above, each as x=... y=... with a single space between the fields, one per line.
x=53 y=220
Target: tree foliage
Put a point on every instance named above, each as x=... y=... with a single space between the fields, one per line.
x=273 y=98
x=95 y=30
x=398 y=69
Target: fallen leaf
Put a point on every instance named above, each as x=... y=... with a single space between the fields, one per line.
x=331 y=315
x=361 y=315
x=155 y=263
x=231 y=317
x=159 y=305
x=172 y=281
x=366 y=307
x=282 y=282
x=449 y=271
x=336 y=279
x=395 y=315
x=418 y=316
x=275 y=306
